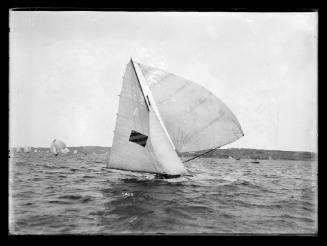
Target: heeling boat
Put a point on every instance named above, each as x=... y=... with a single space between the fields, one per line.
x=160 y=114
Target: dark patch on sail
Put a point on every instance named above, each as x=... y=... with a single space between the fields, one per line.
x=138 y=138
x=148 y=100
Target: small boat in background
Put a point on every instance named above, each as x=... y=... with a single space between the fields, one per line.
x=27 y=149
x=255 y=162
x=58 y=146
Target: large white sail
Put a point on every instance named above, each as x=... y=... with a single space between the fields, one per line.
x=194 y=117
x=137 y=130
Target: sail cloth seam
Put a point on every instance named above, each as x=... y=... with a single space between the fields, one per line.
x=123 y=116
x=119 y=133
x=154 y=83
x=173 y=94
x=131 y=99
x=157 y=81
x=204 y=127
x=193 y=107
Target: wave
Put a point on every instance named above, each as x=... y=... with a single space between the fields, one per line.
x=76 y=198
x=304 y=219
x=85 y=197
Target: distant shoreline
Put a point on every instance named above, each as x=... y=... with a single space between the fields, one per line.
x=258 y=154
x=235 y=153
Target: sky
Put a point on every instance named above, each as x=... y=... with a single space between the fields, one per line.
x=66 y=71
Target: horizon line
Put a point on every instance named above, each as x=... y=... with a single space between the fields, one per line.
x=251 y=148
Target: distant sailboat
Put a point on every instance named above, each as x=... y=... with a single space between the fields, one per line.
x=160 y=114
x=27 y=149
x=65 y=150
x=57 y=146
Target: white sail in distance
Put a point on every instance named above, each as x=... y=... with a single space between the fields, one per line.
x=138 y=127
x=194 y=117
x=57 y=146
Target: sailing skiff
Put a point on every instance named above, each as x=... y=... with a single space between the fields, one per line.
x=160 y=114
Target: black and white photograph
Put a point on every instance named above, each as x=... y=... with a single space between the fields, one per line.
x=163 y=122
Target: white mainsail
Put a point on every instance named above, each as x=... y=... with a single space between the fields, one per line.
x=194 y=117
x=132 y=147
x=159 y=113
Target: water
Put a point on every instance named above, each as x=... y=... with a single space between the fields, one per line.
x=77 y=194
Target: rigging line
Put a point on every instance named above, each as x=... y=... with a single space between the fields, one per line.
x=230 y=141
x=201 y=154
x=139 y=84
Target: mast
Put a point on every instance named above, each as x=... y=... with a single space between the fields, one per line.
x=138 y=80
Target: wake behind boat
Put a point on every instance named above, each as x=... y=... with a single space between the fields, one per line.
x=161 y=114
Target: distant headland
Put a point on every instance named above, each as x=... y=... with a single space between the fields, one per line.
x=236 y=153
x=258 y=154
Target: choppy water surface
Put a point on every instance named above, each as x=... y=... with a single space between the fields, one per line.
x=77 y=194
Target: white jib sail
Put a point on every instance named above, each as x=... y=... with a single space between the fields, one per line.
x=132 y=148
x=162 y=148
x=194 y=117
